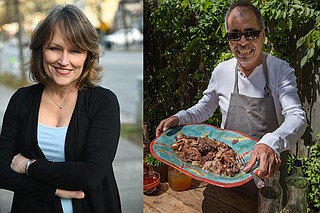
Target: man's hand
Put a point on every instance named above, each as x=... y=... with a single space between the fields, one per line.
x=69 y=194
x=165 y=124
x=269 y=161
x=19 y=163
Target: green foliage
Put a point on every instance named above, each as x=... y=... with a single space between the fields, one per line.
x=312 y=173
x=311 y=168
x=285 y=21
x=312 y=42
x=190 y=38
x=152 y=161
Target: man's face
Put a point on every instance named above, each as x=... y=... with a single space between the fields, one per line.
x=247 y=52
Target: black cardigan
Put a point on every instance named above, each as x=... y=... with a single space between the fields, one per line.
x=90 y=147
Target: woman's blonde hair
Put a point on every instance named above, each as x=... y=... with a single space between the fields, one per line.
x=77 y=30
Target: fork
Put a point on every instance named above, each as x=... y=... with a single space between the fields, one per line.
x=258 y=181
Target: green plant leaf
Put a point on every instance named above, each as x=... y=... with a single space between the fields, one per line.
x=152 y=161
x=304 y=61
x=310 y=53
x=300 y=42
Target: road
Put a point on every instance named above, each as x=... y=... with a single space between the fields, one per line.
x=122 y=75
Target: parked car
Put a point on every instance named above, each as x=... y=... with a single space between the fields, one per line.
x=120 y=37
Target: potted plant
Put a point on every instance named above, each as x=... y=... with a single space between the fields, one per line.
x=150 y=162
x=158 y=166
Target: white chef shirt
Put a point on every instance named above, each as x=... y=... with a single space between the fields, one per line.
x=282 y=83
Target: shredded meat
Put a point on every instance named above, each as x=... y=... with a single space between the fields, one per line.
x=207 y=153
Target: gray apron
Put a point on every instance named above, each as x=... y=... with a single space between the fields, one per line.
x=254 y=117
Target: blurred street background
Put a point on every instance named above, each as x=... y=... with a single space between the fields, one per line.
x=120 y=25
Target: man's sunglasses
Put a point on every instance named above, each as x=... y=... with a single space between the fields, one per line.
x=249 y=35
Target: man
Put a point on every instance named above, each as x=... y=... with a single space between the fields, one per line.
x=256 y=92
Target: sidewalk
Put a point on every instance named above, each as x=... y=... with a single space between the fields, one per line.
x=127 y=167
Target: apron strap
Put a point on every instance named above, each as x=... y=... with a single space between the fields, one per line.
x=265 y=71
x=236 y=88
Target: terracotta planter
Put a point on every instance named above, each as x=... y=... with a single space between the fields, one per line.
x=163 y=171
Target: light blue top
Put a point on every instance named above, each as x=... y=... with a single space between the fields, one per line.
x=51 y=140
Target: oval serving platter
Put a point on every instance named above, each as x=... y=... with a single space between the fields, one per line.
x=160 y=148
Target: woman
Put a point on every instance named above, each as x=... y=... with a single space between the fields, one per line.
x=59 y=136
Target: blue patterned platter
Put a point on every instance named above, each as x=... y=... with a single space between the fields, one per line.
x=161 y=148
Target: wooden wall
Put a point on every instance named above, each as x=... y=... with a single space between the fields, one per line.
x=308 y=78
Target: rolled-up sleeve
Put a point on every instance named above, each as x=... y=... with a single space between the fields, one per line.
x=205 y=107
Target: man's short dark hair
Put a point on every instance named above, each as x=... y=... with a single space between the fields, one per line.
x=248 y=5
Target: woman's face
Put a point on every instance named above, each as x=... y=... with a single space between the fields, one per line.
x=62 y=62
x=247 y=52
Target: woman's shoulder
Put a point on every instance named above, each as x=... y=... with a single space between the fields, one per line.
x=97 y=99
x=24 y=97
x=99 y=91
x=27 y=91
x=99 y=95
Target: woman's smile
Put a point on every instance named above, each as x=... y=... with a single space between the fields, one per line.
x=62 y=71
